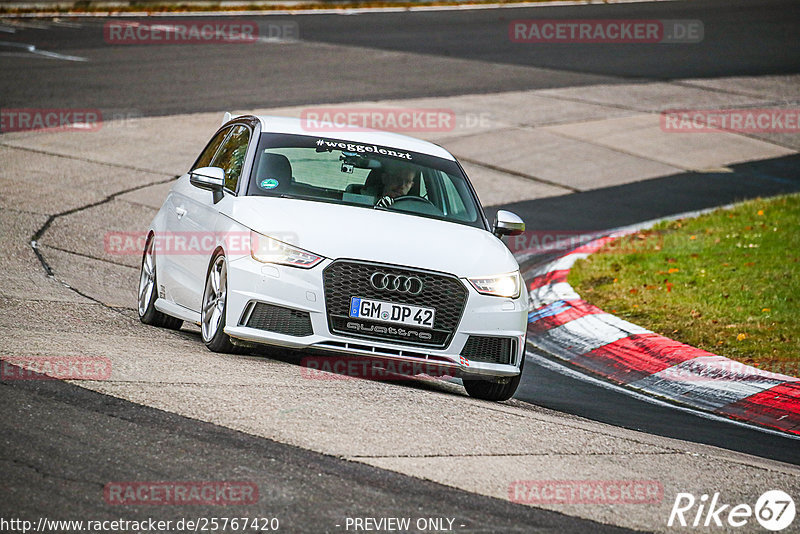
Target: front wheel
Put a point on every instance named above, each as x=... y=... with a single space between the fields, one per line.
x=215 y=297
x=494 y=391
x=148 y=283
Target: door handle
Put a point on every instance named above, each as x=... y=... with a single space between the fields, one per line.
x=180 y=212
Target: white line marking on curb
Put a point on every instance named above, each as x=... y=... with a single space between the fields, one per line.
x=708 y=395
x=546 y=295
x=561 y=369
x=590 y=332
x=567 y=261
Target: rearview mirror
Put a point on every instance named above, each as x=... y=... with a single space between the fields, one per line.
x=211 y=178
x=507 y=223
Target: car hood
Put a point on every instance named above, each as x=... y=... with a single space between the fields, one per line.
x=340 y=231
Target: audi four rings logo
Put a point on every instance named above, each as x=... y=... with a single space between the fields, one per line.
x=395 y=282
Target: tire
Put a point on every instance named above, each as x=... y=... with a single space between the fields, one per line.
x=148 y=283
x=494 y=391
x=214 y=309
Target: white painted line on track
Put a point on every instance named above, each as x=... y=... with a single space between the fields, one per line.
x=67 y=24
x=33 y=50
x=572 y=373
x=32 y=25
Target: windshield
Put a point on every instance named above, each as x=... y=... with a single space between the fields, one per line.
x=364 y=175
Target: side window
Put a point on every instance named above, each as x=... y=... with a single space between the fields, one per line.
x=455 y=192
x=454 y=203
x=208 y=154
x=231 y=155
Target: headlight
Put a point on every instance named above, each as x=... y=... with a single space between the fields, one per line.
x=268 y=250
x=504 y=285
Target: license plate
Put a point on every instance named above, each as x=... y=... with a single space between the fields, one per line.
x=390 y=312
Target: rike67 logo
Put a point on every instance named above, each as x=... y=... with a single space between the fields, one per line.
x=774 y=510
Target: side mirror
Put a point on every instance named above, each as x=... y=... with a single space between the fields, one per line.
x=507 y=223
x=210 y=178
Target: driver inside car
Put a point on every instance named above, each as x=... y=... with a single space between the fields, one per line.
x=397 y=182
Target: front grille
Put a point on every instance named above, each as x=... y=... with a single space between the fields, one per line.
x=280 y=320
x=445 y=293
x=489 y=349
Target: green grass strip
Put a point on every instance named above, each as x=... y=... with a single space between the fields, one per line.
x=727 y=282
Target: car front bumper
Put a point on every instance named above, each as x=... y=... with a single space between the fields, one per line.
x=250 y=282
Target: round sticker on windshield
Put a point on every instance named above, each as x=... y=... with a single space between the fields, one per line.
x=269 y=183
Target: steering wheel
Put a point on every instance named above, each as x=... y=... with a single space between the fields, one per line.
x=414 y=197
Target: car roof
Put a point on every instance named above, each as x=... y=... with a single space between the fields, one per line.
x=292 y=125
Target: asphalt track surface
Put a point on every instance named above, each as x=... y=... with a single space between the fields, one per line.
x=741 y=38
x=110 y=439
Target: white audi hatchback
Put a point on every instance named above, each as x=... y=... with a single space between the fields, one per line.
x=361 y=243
